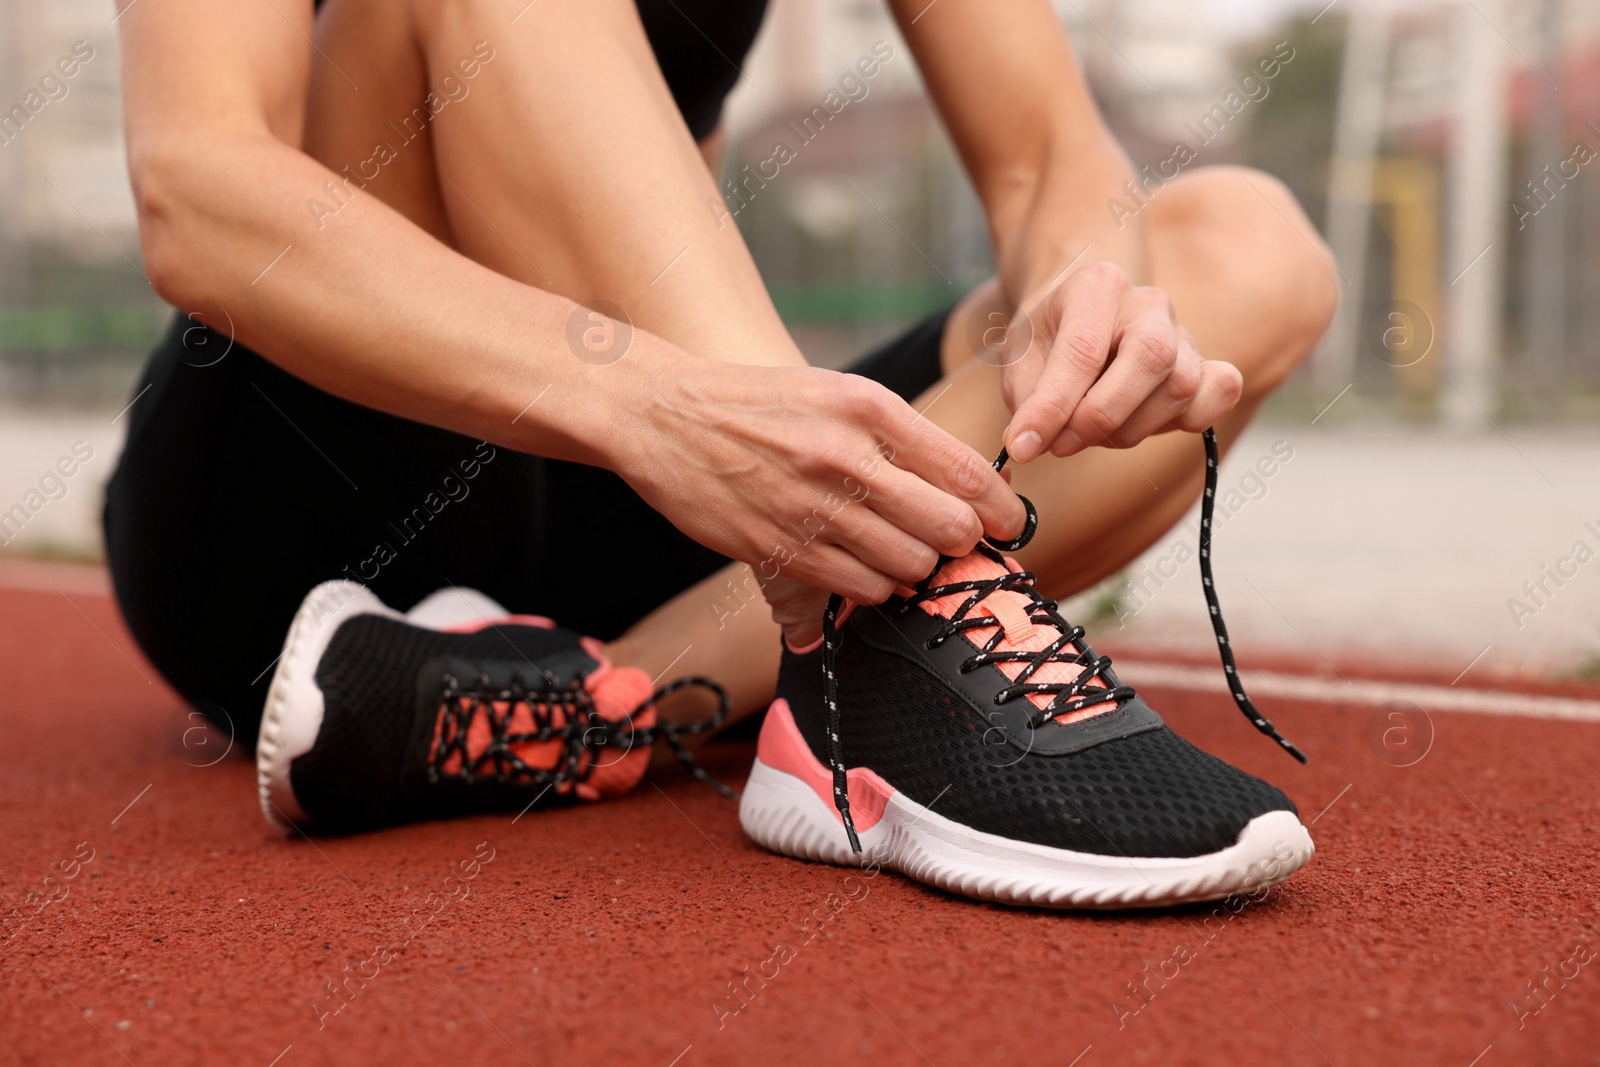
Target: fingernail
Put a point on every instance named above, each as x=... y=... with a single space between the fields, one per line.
x=1068 y=443
x=1026 y=445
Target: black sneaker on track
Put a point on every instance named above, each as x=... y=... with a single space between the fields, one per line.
x=375 y=718
x=975 y=742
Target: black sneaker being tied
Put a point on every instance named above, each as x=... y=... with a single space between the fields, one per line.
x=969 y=737
x=375 y=718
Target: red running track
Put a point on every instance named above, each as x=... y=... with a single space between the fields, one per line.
x=191 y=932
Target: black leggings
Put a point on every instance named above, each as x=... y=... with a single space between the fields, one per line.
x=241 y=487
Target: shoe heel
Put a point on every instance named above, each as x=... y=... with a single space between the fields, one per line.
x=292 y=714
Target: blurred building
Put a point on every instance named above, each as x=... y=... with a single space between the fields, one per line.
x=1539 y=227
x=76 y=314
x=1155 y=65
x=64 y=166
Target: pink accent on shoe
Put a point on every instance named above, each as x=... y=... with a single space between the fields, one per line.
x=812 y=647
x=1013 y=617
x=782 y=748
x=617 y=691
x=844 y=613
x=506 y=620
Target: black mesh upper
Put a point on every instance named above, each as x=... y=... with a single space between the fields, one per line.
x=381 y=691
x=1151 y=794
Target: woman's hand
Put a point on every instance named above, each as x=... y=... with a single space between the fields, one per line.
x=810 y=474
x=1109 y=364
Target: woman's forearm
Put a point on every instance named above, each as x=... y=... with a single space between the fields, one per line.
x=1040 y=157
x=1069 y=220
x=367 y=306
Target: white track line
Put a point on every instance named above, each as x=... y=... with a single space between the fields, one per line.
x=1140 y=673
x=93 y=581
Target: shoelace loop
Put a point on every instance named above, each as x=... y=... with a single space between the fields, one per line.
x=582 y=730
x=1067 y=697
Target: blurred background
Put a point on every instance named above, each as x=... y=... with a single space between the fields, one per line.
x=1445 y=438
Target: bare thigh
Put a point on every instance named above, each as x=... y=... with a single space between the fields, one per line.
x=553 y=153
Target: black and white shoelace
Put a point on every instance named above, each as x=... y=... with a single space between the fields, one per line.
x=585 y=735
x=1070 y=647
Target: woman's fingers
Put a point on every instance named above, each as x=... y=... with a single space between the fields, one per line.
x=822 y=477
x=1117 y=367
x=827 y=566
x=882 y=545
x=797 y=608
x=955 y=472
x=939 y=521
x=1154 y=375
x=1221 y=386
x=1085 y=311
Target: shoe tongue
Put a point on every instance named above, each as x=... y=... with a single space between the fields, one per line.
x=615 y=692
x=1010 y=612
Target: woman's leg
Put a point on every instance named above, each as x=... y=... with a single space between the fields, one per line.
x=562 y=161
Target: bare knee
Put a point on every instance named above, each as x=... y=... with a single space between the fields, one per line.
x=1253 y=238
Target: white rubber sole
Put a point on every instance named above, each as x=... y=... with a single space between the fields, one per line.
x=784 y=814
x=293 y=713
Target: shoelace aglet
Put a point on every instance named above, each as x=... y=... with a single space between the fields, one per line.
x=1288 y=745
x=850 y=828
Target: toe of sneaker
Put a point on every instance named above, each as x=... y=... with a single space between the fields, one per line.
x=1150 y=795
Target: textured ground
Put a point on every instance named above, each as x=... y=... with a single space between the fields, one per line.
x=170 y=924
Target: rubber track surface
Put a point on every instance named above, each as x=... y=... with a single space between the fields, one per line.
x=610 y=934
